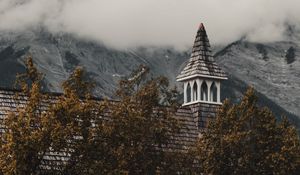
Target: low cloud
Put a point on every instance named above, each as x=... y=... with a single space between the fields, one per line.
x=130 y=23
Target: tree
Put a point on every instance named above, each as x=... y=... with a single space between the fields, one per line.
x=77 y=127
x=290 y=55
x=131 y=135
x=45 y=123
x=140 y=128
x=247 y=139
x=25 y=140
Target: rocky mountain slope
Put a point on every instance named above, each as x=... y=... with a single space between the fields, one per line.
x=57 y=55
x=272 y=68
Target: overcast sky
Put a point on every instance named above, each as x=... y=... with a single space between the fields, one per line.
x=130 y=23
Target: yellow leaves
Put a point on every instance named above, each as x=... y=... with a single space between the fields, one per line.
x=23 y=141
x=137 y=125
x=111 y=137
x=246 y=139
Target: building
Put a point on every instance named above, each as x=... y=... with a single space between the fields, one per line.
x=201 y=78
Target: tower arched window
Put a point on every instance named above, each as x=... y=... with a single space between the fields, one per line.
x=204 y=92
x=213 y=92
x=188 y=93
x=195 y=91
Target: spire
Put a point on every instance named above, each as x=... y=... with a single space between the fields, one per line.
x=201 y=45
x=201 y=62
x=201 y=27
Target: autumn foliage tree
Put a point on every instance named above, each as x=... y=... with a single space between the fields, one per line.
x=25 y=139
x=74 y=118
x=112 y=137
x=247 y=139
x=133 y=134
x=140 y=128
x=130 y=135
x=44 y=123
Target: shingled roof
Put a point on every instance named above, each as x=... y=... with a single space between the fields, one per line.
x=194 y=119
x=201 y=62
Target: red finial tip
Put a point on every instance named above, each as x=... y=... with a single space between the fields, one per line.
x=201 y=26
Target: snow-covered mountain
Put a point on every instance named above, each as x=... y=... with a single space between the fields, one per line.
x=272 y=68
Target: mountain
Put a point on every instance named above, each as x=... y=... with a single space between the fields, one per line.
x=57 y=55
x=272 y=68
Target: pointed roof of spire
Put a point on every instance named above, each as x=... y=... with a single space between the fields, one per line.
x=201 y=27
x=201 y=62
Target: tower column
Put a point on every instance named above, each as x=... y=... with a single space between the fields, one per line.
x=218 y=91
x=209 y=82
x=199 y=83
x=184 y=92
x=192 y=90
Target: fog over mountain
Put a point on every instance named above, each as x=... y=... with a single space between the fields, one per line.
x=132 y=23
x=257 y=42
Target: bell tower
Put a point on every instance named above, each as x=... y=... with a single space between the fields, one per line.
x=201 y=76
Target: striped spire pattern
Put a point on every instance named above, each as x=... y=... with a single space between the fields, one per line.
x=201 y=62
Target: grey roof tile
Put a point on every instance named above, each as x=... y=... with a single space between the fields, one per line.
x=189 y=116
x=201 y=62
